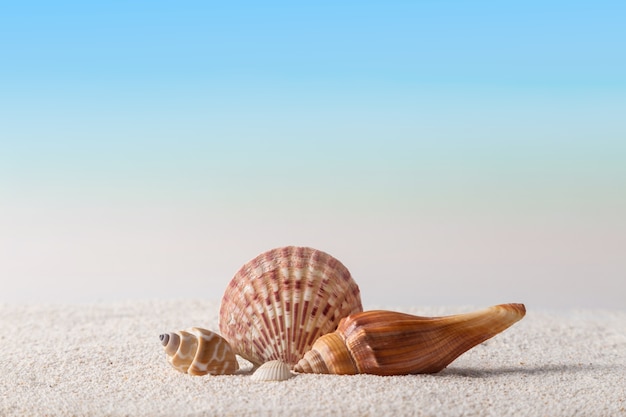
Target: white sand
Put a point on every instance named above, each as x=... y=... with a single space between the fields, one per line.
x=106 y=359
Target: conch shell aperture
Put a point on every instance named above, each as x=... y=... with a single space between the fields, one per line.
x=391 y=343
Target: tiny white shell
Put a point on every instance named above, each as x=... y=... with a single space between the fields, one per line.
x=272 y=371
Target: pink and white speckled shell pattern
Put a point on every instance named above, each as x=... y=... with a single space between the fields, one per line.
x=280 y=302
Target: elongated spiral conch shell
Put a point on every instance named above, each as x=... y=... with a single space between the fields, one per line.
x=391 y=343
x=272 y=371
x=199 y=351
x=283 y=300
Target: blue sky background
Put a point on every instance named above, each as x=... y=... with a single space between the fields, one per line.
x=446 y=152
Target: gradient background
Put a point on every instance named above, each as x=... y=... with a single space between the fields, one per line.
x=446 y=152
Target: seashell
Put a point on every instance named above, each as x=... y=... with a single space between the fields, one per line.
x=283 y=300
x=199 y=351
x=391 y=343
x=272 y=371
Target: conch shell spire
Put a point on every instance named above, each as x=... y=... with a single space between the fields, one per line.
x=391 y=343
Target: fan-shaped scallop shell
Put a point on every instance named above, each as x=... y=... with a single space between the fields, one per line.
x=280 y=302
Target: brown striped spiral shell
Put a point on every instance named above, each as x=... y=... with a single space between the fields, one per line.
x=391 y=343
x=283 y=300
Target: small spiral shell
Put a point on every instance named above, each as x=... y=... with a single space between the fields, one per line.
x=199 y=351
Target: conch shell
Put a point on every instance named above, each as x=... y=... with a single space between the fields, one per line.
x=391 y=343
x=199 y=351
x=280 y=302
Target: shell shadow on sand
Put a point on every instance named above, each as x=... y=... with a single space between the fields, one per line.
x=534 y=370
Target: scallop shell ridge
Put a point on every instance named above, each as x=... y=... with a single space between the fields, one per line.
x=280 y=302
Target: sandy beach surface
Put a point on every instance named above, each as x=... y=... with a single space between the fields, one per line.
x=106 y=360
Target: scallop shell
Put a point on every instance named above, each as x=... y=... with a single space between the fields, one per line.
x=199 y=351
x=272 y=371
x=280 y=302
